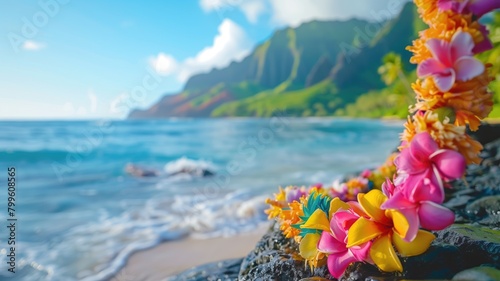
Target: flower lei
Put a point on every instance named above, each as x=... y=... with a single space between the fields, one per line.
x=382 y=214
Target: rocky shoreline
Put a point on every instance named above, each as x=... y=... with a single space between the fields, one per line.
x=468 y=250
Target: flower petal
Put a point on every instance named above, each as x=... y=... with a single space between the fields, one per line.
x=308 y=245
x=484 y=45
x=338 y=232
x=384 y=256
x=408 y=163
x=338 y=263
x=467 y=68
x=434 y=216
x=398 y=201
x=345 y=219
x=401 y=224
x=371 y=202
x=418 y=246
x=388 y=188
x=461 y=45
x=364 y=230
x=445 y=5
x=429 y=188
x=422 y=146
x=356 y=208
x=361 y=252
x=411 y=216
x=453 y=5
x=328 y=244
x=317 y=220
x=445 y=82
x=481 y=7
x=335 y=205
x=450 y=163
x=440 y=50
x=429 y=67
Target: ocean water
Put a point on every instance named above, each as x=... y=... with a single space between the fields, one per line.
x=80 y=215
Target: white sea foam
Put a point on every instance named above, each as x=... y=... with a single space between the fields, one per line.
x=188 y=166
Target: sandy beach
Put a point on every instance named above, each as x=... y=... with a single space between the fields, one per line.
x=173 y=257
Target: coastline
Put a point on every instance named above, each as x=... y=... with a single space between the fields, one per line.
x=173 y=257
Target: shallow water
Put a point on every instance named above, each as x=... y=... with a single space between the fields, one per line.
x=80 y=215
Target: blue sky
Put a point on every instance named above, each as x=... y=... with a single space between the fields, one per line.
x=74 y=59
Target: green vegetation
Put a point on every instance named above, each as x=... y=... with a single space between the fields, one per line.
x=493 y=57
x=321 y=68
x=312 y=101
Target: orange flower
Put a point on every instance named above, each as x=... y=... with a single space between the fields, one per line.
x=290 y=217
x=427 y=9
x=445 y=26
x=471 y=101
x=446 y=135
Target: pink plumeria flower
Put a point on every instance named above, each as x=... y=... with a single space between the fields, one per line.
x=477 y=7
x=451 y=61
x=426 y=213
x=423 y=168
x=334 y=244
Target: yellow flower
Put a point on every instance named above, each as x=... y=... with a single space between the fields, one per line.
x=386 y=228
x=276 y=206
x=319 y=221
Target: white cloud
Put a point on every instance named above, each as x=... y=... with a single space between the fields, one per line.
x=306 y=10
x=30 y=45
x=253 y=9
x=163 y=64
x=295 y=12
x=230 y=44
x=217 y=5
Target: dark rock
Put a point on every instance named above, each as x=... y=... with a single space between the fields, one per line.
x=218 y=271
x=275 y=258
x=441 y=261
x=480 y=245
x=486 y=133
x=486 y=208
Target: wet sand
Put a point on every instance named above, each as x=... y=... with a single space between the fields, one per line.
x=173 y=257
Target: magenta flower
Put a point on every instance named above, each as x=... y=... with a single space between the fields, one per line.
x=294 y=193
x=482 y=7
x=423 y=168
x=334 y=244
x=451 y=61
x=484 y=45
x=426 y=213
x=477 y=7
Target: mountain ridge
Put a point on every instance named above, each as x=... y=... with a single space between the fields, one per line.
x=303 y=69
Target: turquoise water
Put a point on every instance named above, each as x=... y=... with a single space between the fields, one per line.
x=80 y=215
